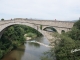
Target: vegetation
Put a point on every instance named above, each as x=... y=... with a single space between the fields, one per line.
x=2 y=19
x=33 y=35
x=62 y=31
x=41 y=27
x=75 y=32
x=14 y=37
x=67 y=43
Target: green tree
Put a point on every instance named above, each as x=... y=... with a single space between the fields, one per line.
x=2 y=19
x=69 y=41
x=75 y=32
x=77 y=24
x=41 y=27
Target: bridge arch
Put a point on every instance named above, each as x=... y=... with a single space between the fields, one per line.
x=5 y=26
x=50 y=29
x=62 y=31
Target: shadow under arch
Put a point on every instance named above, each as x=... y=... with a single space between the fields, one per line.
x=50 y=29
x=62 y=31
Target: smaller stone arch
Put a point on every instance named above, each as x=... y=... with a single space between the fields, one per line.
x=62 y=31
x=50 y=29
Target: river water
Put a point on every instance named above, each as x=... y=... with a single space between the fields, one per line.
x=29 y=51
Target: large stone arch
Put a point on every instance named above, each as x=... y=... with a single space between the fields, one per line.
x=5 y=26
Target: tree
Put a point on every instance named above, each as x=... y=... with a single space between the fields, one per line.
x=75 y=32
x=2 y=19
x=41 y=27
x=69 y=41
x=77 y=24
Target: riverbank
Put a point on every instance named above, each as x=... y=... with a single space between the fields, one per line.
x=29 y=36
x=49 y=36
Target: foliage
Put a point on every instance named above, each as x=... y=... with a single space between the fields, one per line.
x=74 y=33
x=63 y=50
x=2 y=19
x=69 y=41
x=31 y=35
x=45 y=58
x=77 y=24
x=41 y=27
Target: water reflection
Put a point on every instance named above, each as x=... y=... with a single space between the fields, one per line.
x=29 y=51
x=42 y=40
x=15 y=54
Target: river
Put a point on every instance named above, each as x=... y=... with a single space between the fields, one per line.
x=29 y=51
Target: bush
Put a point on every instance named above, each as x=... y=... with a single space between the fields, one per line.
x=32 y=35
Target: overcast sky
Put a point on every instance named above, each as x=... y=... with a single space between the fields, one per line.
x=40 y=9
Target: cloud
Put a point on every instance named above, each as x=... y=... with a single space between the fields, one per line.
x=40 y=9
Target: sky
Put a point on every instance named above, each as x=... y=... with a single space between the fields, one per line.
x=62 y=10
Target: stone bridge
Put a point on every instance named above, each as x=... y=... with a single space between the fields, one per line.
x=58 y=25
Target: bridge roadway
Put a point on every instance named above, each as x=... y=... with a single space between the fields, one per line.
x=61 y=24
